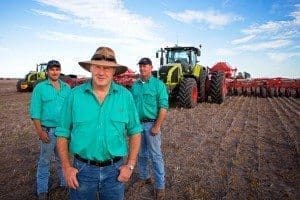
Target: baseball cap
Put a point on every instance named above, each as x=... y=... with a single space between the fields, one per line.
x=145 y=61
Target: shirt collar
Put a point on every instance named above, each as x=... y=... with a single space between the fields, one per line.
x=49 y=81
x=113 y=87
x=148 y=81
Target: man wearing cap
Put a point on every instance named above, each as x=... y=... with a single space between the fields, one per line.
x=96 y=120
x=46 y=102
x=151 y=98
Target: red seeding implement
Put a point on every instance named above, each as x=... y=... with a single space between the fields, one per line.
x=126 y=79
x=260 y=87
x=265 y=87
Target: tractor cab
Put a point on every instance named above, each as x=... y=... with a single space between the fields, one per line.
x=41 y=67
x=186 y=56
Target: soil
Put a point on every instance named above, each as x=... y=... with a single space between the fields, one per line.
x=245 y=148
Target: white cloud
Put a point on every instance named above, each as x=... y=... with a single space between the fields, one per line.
x=109 y=16
x=271 y=35
x=281 y=57
x=213 y=18
x=24 y=27
x=65 y=37
x=243 y=40
x=265 y=45
x=4 y=49
x=52 y=15
x=296 y=15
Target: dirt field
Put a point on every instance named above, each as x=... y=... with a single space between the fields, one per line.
x=245 y=148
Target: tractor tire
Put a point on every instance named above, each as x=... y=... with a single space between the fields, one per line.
x=216 y=87
x=188 y=93
x=202 y=97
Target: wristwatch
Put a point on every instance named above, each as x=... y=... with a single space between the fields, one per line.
x=131 y=167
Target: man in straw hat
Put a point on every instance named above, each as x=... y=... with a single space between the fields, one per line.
x=96 y=118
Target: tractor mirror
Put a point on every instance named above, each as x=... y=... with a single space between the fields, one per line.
x=156 y=54
x=199 y=53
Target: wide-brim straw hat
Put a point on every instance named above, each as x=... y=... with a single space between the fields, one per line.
x=104 y=56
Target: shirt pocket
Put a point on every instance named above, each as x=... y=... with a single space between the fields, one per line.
x=149 y=98
x=84 y=120
x=49 y=107
x=118 y=122
x=116 y=138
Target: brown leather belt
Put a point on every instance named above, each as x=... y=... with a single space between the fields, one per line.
x=98 y=163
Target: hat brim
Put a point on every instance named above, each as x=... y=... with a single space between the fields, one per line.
x=120 y=69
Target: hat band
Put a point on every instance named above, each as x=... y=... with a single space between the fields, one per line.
x=101 y=57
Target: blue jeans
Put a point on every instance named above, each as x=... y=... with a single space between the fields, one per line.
x=101 y=181
x=151 y=151
x=47 y=150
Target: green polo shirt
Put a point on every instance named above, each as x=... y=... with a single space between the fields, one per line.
x=97 y=131
x=46 y=102
x=150 y=97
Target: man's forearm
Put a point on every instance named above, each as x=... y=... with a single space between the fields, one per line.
x=134 y=147
x=63 y=152
x=37 y=126
x=162 y=115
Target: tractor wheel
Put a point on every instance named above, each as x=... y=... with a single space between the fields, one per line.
x=202 y=97
x=217 y=87
x=188 y=93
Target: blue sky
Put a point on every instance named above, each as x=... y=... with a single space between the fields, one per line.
x=259 y=36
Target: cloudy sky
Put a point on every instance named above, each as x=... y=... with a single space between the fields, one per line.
x=259 y=36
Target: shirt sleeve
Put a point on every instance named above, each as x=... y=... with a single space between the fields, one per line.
x=163 y=97
x=65 y=123
x=134 y=125
x=36 y=104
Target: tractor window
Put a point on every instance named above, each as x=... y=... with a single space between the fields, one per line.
x=43 y=67
x=193 y=59
x=177 y=56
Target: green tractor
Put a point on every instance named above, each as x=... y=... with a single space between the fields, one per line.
x=32 y=78
x=185 y=79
